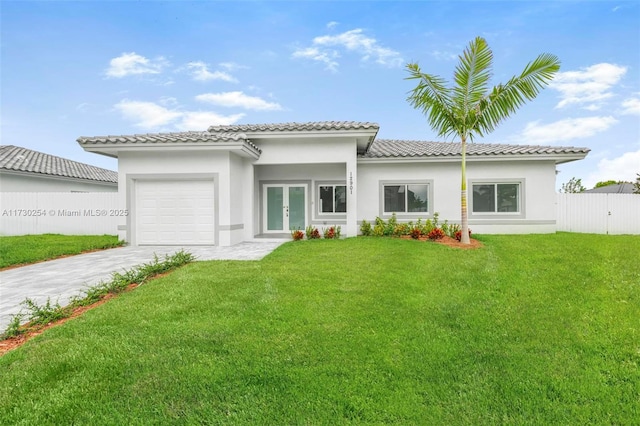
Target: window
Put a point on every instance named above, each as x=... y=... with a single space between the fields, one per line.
x=496 y=198
x=333 y=198
x=406 y=198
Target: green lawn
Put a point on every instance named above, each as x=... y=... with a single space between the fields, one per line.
x=538 y=329
x=35 y=248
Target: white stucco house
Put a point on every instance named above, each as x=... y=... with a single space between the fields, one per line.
x=234 y=183
x=25 y=170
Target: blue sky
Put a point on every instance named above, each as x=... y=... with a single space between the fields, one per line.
x=73 y=69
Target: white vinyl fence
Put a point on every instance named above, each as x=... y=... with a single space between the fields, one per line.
x=599 y=213
x=69 y=213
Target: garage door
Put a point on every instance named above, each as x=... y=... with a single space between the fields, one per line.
x=175 y=212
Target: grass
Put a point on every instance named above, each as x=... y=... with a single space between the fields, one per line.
x=18 y=250
x=537 y=329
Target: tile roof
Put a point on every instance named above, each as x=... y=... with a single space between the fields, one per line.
x=297 y=127
x=160 y=138
x=15 y=158
x=388 y=148
x=617 y=188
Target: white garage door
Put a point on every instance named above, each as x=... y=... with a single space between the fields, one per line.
x=175 y=212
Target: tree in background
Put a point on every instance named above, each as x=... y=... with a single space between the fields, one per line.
x=636 y=185
x=573 y=186
x=470 y=108
x=606 y=183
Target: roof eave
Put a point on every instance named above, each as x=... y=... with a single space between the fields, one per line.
x=557 y=158
x=242 y=148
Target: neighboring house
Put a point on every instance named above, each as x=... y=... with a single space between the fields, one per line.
x=617 y=188
x=24 y=170
x=233 y=183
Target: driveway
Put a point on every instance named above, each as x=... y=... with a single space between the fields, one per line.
x=64 y=278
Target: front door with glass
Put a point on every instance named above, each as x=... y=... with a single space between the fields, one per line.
x=284 y=207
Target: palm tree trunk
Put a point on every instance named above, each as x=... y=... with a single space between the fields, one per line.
x=463 y=196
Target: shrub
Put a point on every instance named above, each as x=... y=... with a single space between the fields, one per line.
x=312 y=233
x=391 y=225
x=297 y=235
x=453 y=229
x=416 y=232
x=436 y=234
x=333 y=232
x=401 y=229
x=365 y=229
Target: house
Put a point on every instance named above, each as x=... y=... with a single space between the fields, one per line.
x=617 y=188
x=25 y=170
x=234 y=183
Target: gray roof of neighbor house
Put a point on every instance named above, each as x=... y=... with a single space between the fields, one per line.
x=18 y=159
x=388 y=148
x=617 y=188
x=297 y=127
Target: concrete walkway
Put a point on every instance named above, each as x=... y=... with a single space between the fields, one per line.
x=64 y=278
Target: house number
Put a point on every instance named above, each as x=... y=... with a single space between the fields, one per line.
x=351 y=183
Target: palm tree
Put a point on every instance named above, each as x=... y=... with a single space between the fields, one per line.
x=469 y=108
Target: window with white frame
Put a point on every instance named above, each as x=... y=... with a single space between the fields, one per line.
x=406 y=198
x=332 y=199
x=496 y=197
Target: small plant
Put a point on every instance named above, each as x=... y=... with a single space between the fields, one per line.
x=427 y=227
x=436 y=234
x=453 y=229
x=329 y=233
x=13 y=329
x=416 y=232
x=312 y=233
x=390 y=225
x=297 y=235
x=365 y=229
x=43 y=315
x=379 y=227
x=458 y=235
x=401 y=229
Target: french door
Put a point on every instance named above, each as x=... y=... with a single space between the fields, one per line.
x=284 y=207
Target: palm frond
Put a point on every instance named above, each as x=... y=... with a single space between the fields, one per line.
x=432 y=97
x=472 y=76
x=506 y=99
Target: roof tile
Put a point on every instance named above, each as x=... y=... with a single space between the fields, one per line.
x=160 y=138
x=388 y=148
x=296 y=127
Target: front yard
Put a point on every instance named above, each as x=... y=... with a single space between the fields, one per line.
x=537 y=329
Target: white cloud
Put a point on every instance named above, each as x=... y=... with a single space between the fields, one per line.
x=147 y=115
x=631 y=106
x=332 y=24
x=238 y=99
x=232 y=66
x=201 y=120
x=327 y=48
x=134 y=64
x=315 y=54
x=589 y=86
x=564 y=130
x=200 y=72
x=153 y=116
x=622 y=168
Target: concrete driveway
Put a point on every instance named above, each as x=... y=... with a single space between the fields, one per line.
x=64 y=278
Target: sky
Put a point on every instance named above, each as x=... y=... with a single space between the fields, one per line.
x=70 y=69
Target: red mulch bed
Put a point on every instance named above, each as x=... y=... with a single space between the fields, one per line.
x=451 y=242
